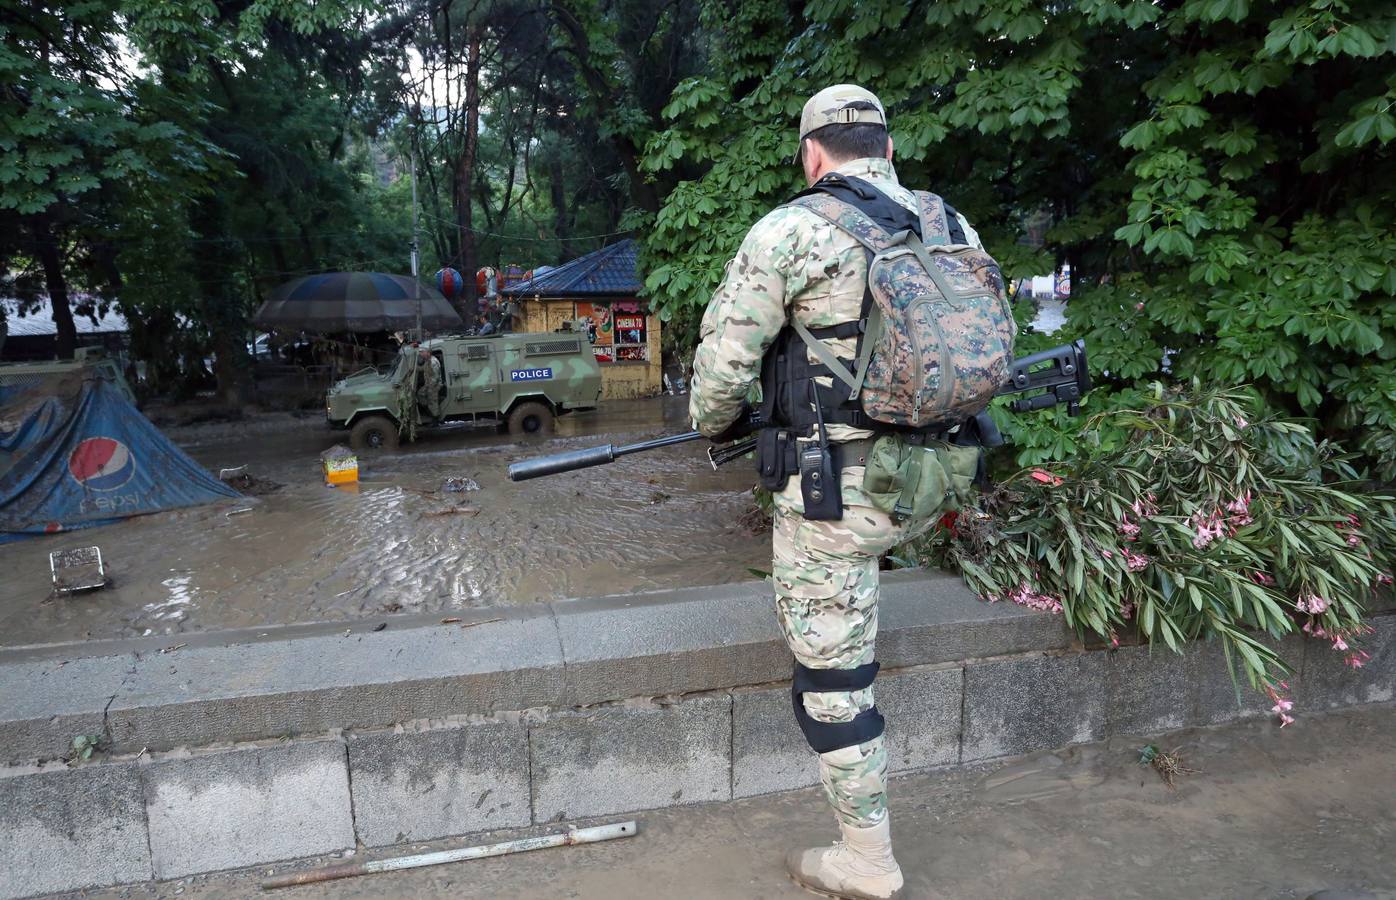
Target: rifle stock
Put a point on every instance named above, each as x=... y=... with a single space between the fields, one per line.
x=1060 y=373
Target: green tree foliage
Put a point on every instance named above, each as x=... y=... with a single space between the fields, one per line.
x=74 y=140
x=1219 y=173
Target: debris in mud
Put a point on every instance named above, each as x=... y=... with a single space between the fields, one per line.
x=391 y=607
x=244 y=482
x=338 y=451
x=451 y=511
x=658 y=497
x=450 y=620
x=1168 y=765
x=755 y=520
x=79 y=569
x=460 y=484
x=380 y=626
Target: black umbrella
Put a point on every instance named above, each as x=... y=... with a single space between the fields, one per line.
x=356 y=301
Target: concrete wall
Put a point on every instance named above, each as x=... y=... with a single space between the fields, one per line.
x=248 y=748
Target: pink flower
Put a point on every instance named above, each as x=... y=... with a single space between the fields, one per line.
x=1135 y=562
x=1145 y=508
x=1282 y=704
x=1312 y=629
x=1023 y=595
x=1240 y=510
x=1107 y=554
x=1339 y=643
x=1128 y=528
x=1208 y=528
x=1357 y=659
x=1262 y=579
x=1241 y=423
x=1311 y=603
x=1384 y=578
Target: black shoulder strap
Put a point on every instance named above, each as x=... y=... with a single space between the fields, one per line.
x=887 y=213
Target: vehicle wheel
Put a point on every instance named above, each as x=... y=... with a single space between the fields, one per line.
x=373 y=433
x=531 y=419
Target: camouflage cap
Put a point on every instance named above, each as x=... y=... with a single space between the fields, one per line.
x=835 y=106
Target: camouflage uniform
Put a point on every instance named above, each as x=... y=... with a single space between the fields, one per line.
x=795 y=264
x=429 y=392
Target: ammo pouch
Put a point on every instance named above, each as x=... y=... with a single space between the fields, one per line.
x=917 y=481
x=775 y=457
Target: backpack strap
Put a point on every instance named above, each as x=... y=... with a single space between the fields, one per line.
x=935 y=221
x=846 y=218
x=837 y=367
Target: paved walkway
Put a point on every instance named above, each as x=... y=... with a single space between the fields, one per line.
x=1268 y=814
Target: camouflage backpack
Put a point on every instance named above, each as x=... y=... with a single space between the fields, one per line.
x=939 y=332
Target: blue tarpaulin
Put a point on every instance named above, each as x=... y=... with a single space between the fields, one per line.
x=85 y=456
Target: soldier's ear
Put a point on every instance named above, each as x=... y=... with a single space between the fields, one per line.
x=811 y=159
x=889 y=148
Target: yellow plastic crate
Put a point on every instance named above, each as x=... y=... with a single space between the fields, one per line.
x=342 y=470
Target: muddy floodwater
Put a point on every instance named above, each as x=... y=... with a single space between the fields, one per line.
x=399 y=543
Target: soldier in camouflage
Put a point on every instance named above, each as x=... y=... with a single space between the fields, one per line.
x=429 y=385
x=795 y=265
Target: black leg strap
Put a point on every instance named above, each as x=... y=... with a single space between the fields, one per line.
x=826 y=736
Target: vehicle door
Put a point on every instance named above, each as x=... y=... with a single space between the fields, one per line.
x=473 y=386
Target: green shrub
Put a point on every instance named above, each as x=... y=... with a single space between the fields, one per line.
x=1199 y=517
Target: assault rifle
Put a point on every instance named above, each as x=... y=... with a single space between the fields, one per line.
x=1051 y=377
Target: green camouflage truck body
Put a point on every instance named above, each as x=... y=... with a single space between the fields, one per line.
x=484 y=378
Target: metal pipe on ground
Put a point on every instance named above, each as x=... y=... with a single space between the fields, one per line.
x=571 y=836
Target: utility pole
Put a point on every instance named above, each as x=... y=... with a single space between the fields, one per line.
x=416 y=282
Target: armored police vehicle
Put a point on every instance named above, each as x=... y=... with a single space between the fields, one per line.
x=518 y=381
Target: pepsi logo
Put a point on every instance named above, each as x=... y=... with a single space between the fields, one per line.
x=101 y=464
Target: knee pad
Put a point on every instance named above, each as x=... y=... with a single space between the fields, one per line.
x=826 y=736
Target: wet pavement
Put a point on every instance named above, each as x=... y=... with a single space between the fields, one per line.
x=1304 y=812
x=399 y=543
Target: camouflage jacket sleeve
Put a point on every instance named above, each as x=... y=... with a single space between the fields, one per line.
x=971 y=236
x=745 y=315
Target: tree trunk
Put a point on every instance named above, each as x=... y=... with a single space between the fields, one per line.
x=562 y=225
x=52 y=261
x=221 y=312
x=465 y=177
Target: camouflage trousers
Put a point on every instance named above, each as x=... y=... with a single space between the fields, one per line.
x=826 y=578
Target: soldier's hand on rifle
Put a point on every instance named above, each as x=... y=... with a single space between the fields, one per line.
x=743 y=425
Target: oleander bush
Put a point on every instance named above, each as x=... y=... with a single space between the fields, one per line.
x=1195 y=514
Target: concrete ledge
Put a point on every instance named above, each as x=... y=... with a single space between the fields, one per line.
x=620 y=759
x=418 y=786
x=242 y=687
x=243 y=807
x=1017 y=705
x=66 y=830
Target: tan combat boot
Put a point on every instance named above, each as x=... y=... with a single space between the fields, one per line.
x=859 y=867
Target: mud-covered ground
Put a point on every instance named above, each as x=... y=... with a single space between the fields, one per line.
x=399 y=543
